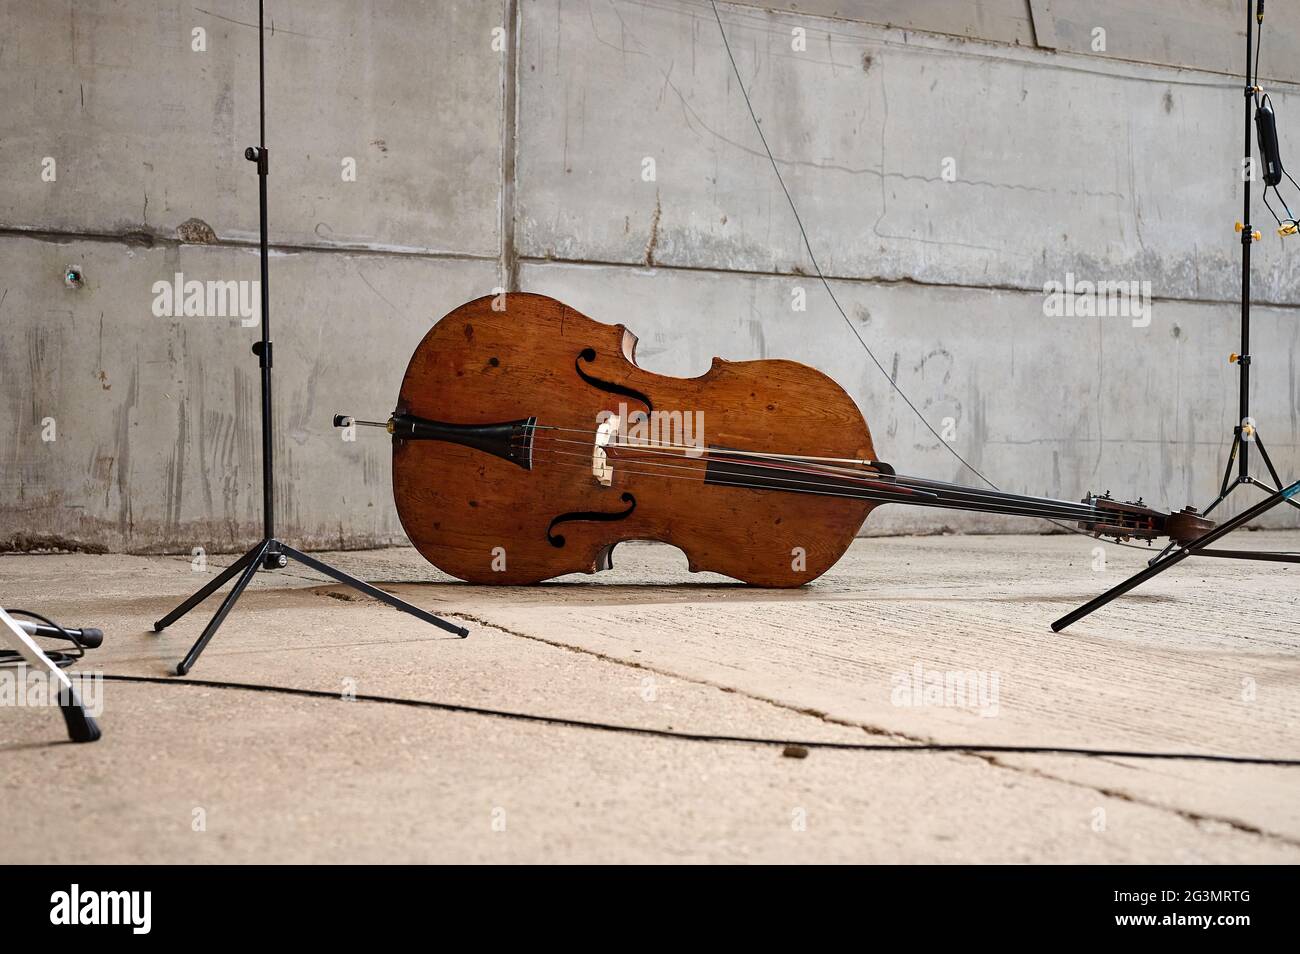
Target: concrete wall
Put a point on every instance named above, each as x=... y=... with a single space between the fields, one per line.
x=948 y=159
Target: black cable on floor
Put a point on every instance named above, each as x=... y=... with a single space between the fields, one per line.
x=708 y=736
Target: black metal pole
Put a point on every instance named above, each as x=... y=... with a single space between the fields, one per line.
x=270 y=553
x=264 y=355
x=1243 y=359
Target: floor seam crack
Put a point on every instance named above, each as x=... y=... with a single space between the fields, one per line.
x=993 y=761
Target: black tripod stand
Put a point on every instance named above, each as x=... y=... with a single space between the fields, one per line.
x=1246 y=432
x=270 y=553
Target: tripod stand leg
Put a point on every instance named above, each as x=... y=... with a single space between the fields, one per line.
x=371 y=590
x=1169 y=547
x=1181 y=554
x=1228 y=483
x=1135 y=580
x=81 y=727
x=1268 y=462
x=209 y=588
x=250 y=568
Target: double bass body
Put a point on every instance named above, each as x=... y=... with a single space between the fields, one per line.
x=516 y=487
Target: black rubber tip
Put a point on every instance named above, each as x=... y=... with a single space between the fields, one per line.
x=464 y=633
x=181 y=669
x=81 y=727
x=158 y=627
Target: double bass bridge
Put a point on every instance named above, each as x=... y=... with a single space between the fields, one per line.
x=601 y=466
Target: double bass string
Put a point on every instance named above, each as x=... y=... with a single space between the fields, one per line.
x=664 y=449
x=958 y=496
x=887 y=488
x=741 y=453
x=816 y=488
x=879 y=496
x=649 y=449
x=783 y=462
x=1062 y=509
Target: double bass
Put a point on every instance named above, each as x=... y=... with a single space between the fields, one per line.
x=528 y=443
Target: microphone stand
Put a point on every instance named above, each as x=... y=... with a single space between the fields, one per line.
x=1246 y=432
x=271 y=553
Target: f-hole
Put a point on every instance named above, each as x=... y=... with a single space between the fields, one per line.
x=557 y=539
x=589 y=355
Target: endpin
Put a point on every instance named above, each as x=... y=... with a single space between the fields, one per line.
x=343 y=420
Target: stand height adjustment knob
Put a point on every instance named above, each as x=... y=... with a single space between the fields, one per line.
x=258 y=155
x=1255 y=234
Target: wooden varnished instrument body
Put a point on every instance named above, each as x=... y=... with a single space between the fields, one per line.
x=486 y=519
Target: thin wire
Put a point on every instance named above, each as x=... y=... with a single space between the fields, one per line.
x=708 y=737
x=817 y=266
x=758 y=127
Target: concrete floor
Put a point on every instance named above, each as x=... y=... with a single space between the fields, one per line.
x=1206 y=659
